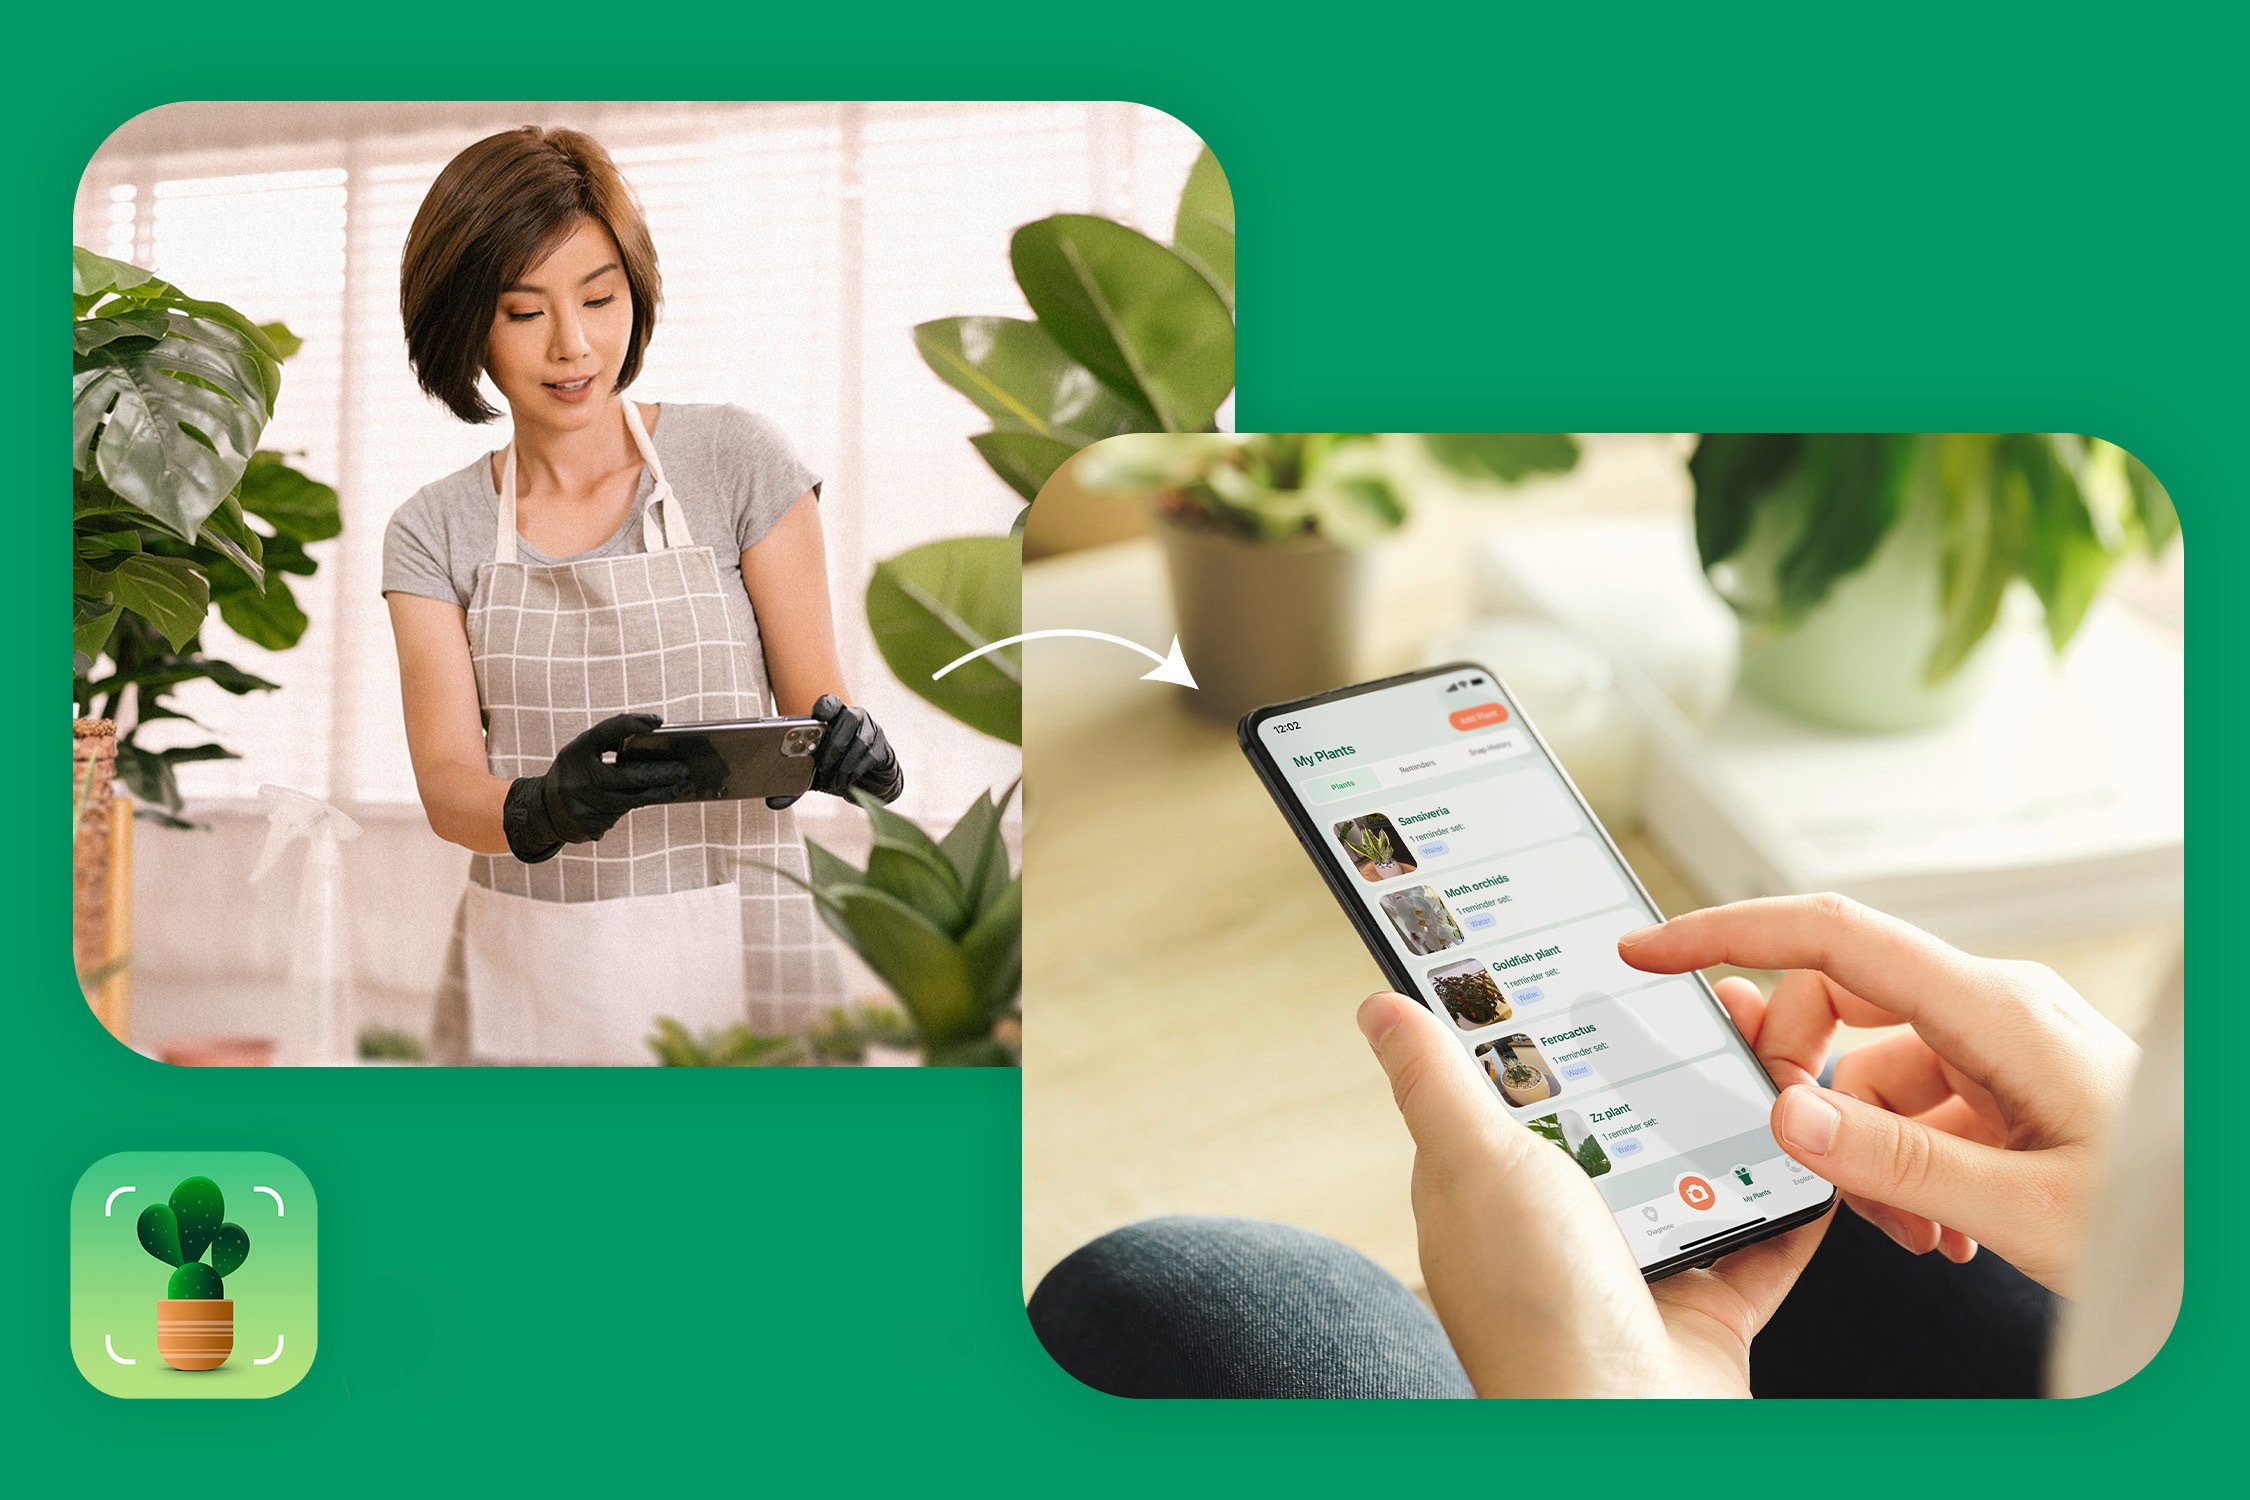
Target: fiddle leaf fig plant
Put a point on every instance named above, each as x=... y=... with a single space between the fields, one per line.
x=1781 y=517
x=175 y=509
x=1126 y=335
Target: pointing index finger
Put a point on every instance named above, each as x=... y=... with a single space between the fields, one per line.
x=1893 y=965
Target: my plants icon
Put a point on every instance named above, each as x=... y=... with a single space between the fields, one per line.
x=195 y=1320
x=197 y=1213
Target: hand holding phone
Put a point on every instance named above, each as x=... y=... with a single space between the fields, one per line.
x=1538 y=1294
x=1485 y=887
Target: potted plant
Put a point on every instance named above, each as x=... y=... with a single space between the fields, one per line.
x=175 y=511
x=868 y=1034
x=939 y=920
x=726 y=1047
x=1868 y=569
x=195 y=1317
x=1373 y=847
x=1265 y=539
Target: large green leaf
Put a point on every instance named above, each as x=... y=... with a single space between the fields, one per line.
x=92 y=623
x=993 y=951
x=89 y=334
x=973 y=848
x=923 y=966
x=177 y=419
x=1203 y=231
x=230 y=534
x=909 y=864
x=922 y=880
x=168 y=592
x=933 y=604
x=1857 y=487
x=1024 y=459
x=1354 y=511
x=1734 y=472
x=2152 y=506
x=174 y=670
x=295 y=506
x=94 y=277
x=1502 y=457
x=1020 y=377
x=1142 y=319
x=268 y=617
x=1983 y=517
x=2065 y=559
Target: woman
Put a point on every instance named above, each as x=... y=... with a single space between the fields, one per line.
x=614 y=566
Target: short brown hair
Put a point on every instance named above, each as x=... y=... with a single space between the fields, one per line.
x=497 y=210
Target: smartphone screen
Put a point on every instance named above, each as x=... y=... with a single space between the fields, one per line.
x=1487 y=888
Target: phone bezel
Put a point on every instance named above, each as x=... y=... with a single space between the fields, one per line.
x=1363 y=921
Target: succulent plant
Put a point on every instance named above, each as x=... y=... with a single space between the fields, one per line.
x=179 y=1231
x=940 y=921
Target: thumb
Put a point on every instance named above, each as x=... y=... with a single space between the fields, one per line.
x=1448 y=1108
x=1872 y=1153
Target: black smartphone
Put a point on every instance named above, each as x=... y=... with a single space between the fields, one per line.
x=1486 y=887
x=734 y=760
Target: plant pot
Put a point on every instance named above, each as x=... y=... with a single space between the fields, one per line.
x=1857 y=660
x=194 y=1333
x=1388 y=868
x=93 y=764
x=1263 y=622
x=217 y=1051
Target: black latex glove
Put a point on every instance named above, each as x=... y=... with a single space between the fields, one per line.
x=582 y=796
x=852 y=753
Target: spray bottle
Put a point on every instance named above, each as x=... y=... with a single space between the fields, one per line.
x=320 y=963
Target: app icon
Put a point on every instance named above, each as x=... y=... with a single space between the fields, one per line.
x=1743 y=1175
x=193 y=1274
x=1696 y=1193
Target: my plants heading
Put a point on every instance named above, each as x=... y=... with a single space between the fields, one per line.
x=177 y=1233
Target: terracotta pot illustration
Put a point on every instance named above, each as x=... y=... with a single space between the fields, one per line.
x=195 y=1333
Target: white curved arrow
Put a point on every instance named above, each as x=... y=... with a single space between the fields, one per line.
x=1172 y=668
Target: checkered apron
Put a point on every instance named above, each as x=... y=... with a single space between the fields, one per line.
x=670 y=913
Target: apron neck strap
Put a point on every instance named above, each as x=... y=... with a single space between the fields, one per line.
x=663 y=519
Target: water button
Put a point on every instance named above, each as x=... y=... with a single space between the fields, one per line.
x=1482 y=920
x=1626 y=1148
x=1530 y=994
x=1577 y=1071
x=1434 y=849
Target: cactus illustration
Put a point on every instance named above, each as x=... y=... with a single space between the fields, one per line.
x=177 y=1233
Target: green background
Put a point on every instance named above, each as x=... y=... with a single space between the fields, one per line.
x=115 y=1284
x=1905 y=217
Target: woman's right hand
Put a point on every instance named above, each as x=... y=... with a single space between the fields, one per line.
x=1985 y=1122
x=582 y=796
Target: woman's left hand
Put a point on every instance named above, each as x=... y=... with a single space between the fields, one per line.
x=853 y=752
x=1524 y=1264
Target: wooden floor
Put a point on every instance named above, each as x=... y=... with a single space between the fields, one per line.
x=1189 y=985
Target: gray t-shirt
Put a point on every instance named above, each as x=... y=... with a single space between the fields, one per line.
x=732 y=470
